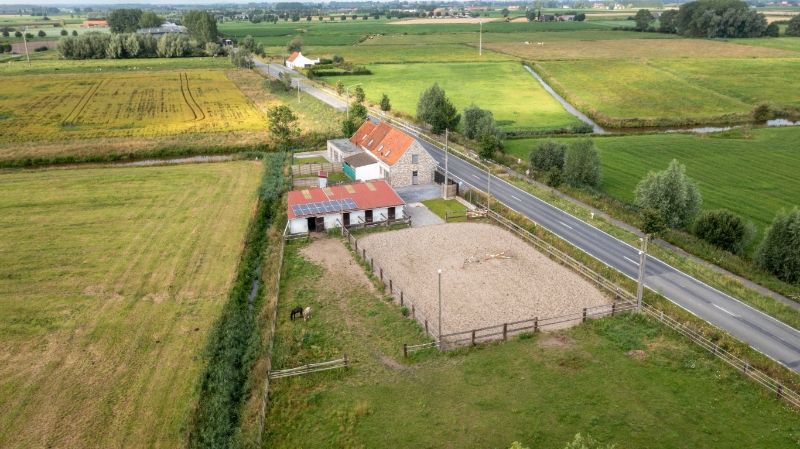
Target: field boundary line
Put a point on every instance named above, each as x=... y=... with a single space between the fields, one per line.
x=311 y=368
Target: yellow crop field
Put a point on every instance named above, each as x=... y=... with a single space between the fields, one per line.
x=110 y=282
x=81 y=106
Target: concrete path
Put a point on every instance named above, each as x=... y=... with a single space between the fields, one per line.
x=421 y=216
x=416 y=194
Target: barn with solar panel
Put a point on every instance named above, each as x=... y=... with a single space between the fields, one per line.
x=363 y=203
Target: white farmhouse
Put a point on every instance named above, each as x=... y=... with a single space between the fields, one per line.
x=318 y=209
x=297 y=61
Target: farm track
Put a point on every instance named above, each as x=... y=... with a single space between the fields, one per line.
x=81 y=104
x=199 y=115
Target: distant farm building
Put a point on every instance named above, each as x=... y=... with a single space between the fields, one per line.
x=297 y=61
x=363 y=203
x=381 y=151
x=95 y=23
x=166 y=28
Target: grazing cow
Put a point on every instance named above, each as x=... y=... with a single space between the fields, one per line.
x=307 y=313
x=295 y=312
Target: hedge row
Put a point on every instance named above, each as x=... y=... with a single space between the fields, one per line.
x=234 y=343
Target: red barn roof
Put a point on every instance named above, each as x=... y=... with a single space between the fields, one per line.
x=364 y=195
x=383 y=140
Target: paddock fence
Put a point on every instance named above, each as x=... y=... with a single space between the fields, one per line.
x=387 y=283
x=311 y=368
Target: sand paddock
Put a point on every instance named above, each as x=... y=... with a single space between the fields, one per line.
x=476 y=291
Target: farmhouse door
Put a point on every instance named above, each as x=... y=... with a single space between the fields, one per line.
x=320 y=224
x=346 y=219
x=414 y=178
x=312 y=224
x=391 y=213
x=368 y=216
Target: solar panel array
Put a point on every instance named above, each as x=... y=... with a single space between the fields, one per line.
x=324 y=207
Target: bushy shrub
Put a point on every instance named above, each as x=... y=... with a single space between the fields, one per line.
x=670 y=192
x=582 y=164
x=724 y=229
x=779 y=252
x=548 y=155
x=793 y=28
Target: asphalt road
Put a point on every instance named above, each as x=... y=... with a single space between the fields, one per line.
x=762 y=332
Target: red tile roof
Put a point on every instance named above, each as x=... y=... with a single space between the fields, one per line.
x=383 y=140
x=293 y=56
x=366 y=195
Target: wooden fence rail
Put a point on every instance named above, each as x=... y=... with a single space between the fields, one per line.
x=505 y=330
x=310 y=368
x=315 y=167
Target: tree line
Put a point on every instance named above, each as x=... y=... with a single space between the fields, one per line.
x=125 y=42
x=709 y=19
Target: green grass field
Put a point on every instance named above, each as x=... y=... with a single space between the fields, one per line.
x=112 y=279
x=540 y=391
x=467 y=83
x=442 y=207
x=752 y=174
x=624 y=93
x=783 y=42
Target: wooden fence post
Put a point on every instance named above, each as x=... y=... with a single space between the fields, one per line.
x=405 y=351
x=473 y=337
x=613 y=308
x=364 y=254
x=536 y=325
x=413 y=315
x=356 y=243
x=372 y=264
x=584 y=315
x=426 y=327
x=390 y=287
x=401 y=298
x=779 y=391
x=745 y=367
x=346 y=361
x=381 y=270
x=505 y=331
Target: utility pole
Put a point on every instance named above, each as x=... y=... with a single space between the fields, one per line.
x=446 y=131
x=439 y=335
x=480 y=39
x=25 y=40
x=298 y=90
x=640 y=283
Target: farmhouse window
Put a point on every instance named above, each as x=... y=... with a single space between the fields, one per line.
x=415 y=158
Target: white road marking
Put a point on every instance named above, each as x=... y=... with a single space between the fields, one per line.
x=631 y=260
x=476 y=176
x=570 y=227
x=512 y=196
x=724 y=310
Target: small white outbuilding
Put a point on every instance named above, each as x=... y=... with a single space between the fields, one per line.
x=297 y=61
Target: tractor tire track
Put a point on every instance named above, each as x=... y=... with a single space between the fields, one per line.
x=197 y=105
x=185 y=100
x=81 y=104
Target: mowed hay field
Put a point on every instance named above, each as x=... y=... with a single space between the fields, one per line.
x=620 y=93
x=515 y=98
x=752 y=173
x=111 y=281
x=158 y=103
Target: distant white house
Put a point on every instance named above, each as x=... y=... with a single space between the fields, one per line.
x=298 y=61
x=166 y=28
